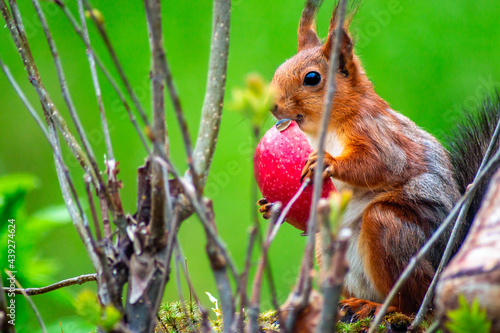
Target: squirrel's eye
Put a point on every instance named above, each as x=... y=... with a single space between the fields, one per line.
x=312 y=79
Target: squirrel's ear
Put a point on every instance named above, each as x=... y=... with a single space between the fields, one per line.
x=307 y=27
x=346 y=55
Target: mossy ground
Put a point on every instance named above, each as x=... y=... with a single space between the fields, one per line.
x=173 y=318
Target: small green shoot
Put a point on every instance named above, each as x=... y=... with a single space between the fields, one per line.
x=89 y=309
x=254 y=100
x=468 y=319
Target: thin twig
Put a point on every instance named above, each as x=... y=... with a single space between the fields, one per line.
x=95 y=81
x=304 y=285
x=253 y=187
x=107 y=42
x=16 y=29
x=61 y=284
x=30 y=301
x=179 y=289
x=285 y=211
x=453 y=238
x=67 y=188
x=465 y=199
x=47 y=134
x=158 y=207
x=182 y=123
x=50 y=111
x=203 y=311
x=331 y=287
x=219 y=264
x=52 y=117
x=214 y=96
x=201 y=212
x=253 y=310
x=160 y=60
x=433 y=328
x=188 y=279
x=90 y=199
x=242 y=285
x=112 y=81
x=64 y=87
x=274 y=226
x=326 y=235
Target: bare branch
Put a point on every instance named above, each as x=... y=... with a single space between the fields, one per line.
x=242 y=285
x=304 y=285
x=331 y=287
x=285 y=211
x=453 y=238
x=95 y=80
x=107 y=42
x=30 y=302
x=214 y=96
x=178 y=262
x=253 y=310
x=64 y=87
x=68 y=190
x=53 y=117
x=182 y=123
x=178 y=248
x=112 y=81
x=51 y=114
x=464 y=200
x=200 y=210
x=90 y=198
x=158 y=208
x=61 y=284
x=218 y=263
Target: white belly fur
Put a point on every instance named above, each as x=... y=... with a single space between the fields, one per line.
x=357 y=283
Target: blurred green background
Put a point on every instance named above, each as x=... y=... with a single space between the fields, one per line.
x=428 y=59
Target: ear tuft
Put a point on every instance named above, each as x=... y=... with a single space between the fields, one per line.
x=307 y=27
x=346 y=55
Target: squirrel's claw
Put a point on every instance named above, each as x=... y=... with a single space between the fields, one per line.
x=311 y=164
x=265 y=208
x=354 y=309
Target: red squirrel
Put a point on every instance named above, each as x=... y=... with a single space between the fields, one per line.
x=404 y=183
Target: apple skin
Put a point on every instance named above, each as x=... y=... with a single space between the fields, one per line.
x=278 y=162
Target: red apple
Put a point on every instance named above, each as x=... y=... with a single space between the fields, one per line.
x=278 y=162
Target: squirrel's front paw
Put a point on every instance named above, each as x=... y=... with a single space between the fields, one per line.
x=265 y=208
x=311 y=164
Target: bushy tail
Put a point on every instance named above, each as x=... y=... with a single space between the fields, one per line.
x=467 y=145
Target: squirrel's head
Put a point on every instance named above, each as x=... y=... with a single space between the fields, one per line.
x=300 y=82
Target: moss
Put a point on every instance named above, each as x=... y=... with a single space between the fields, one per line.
x=174 y=319
x=268 y=321
x=393 y=322
x=357 y=327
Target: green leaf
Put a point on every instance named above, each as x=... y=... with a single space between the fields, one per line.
x=54 y=214
x=13 y=190
x=18 y=182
